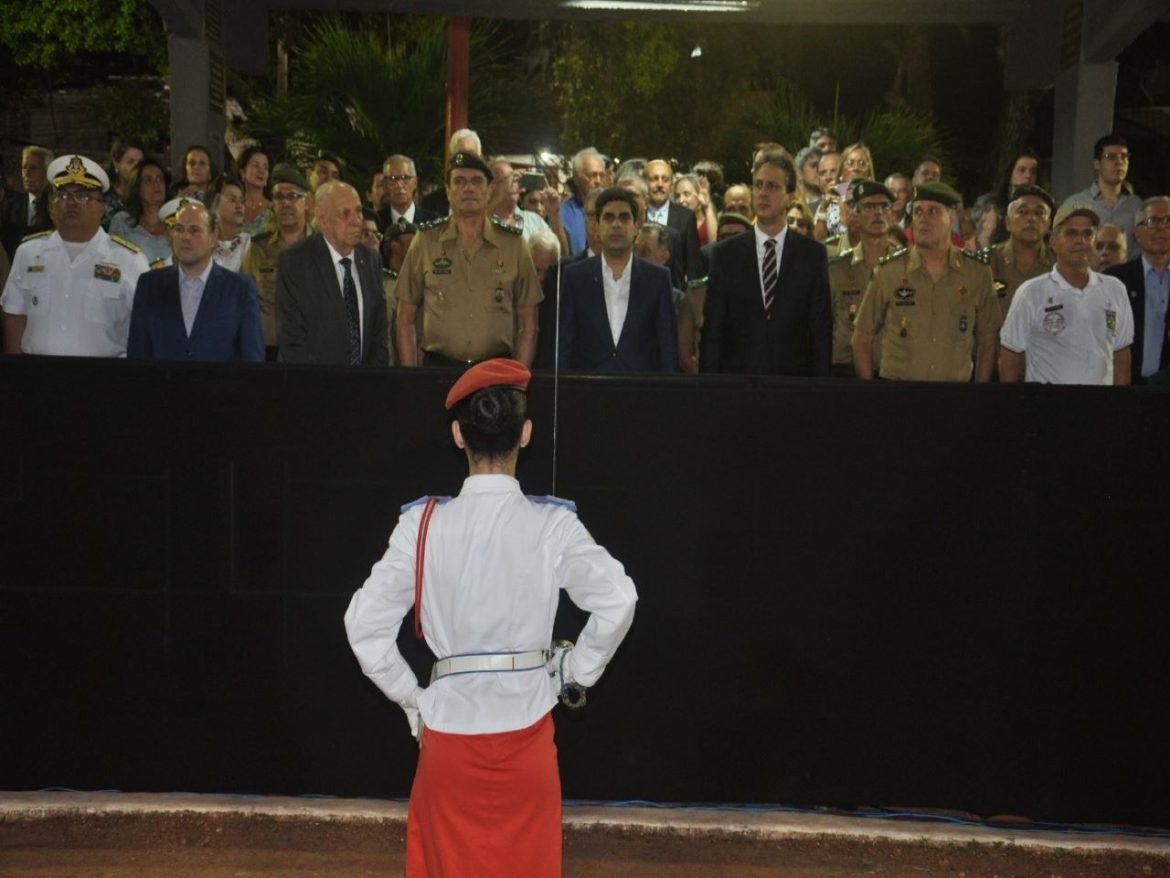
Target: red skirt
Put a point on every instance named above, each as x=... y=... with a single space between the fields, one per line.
x=486 y=805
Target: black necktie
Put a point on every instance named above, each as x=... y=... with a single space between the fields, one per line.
x=349 y=292
x=769 y=275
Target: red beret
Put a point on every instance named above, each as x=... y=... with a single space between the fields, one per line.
x=489 y=373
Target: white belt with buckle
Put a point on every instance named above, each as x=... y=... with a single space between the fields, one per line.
x=489 y=662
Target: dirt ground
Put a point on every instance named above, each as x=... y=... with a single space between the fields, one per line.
x=195 y=845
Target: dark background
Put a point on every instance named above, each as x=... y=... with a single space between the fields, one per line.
x=850 y=595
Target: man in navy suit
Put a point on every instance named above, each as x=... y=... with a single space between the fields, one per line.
x=767 y=309
x=616 y=309
x=1147 y=280
x=330 y=308
x=195 y=309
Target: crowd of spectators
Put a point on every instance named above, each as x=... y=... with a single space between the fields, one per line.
x=890 y=250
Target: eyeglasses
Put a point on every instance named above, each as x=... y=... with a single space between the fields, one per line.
x=79 y=197
x=1115 y=156
x=397 y=178
x=874 y=207
x=370 y=233
x=797 y=222
x=857 y=163
x=289 y=196
x=1154 y=221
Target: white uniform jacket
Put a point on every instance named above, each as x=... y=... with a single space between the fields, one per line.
x=78 y=308
x=495 y=563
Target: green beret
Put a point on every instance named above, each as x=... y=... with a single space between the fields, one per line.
x=286 y=173
x=402 y=227
x=864 y=187
x=731 y=218
x=1042 y=194
x=468 y=161
x=940 y=192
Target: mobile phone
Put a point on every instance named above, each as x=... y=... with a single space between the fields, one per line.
x=531 y=181
x=842 y=189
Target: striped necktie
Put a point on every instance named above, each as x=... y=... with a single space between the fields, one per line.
x=770 y=274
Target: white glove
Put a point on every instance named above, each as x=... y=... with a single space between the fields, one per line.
x=412 y=717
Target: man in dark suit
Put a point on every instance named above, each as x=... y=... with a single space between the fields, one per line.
x=329 y=302
x=768 y=307
x=195 y=309
x=29 y=213
x=616 y=309
x=685 y=259
x=399 y=186
x=1147 y=280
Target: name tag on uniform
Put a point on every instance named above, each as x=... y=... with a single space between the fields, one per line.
x=35 y=269
x=107 y=271
x=442 y=265
x=1052 y=308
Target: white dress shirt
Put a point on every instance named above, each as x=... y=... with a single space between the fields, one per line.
x=340 y=270
x=496 y=562
x=658 y=215
x=408 y=214
x=617 y=296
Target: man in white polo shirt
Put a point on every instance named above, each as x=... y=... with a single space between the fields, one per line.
x=1072 y=325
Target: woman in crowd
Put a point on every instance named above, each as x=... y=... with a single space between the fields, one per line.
x=253 y=165
x=227 y=203
x=688 y=193
x=139 y=222
x=198 y=172
x=856 y=161
x=124 y=158
x=1023 y=171
x=800 y=219
x=980 y=223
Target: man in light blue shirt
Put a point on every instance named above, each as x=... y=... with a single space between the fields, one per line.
x=588 y=173
x=1110 y=196
x=1147 y=280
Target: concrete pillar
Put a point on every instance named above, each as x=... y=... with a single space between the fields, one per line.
x=1083 y=112
x=196 y=113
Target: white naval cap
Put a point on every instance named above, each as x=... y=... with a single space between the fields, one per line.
x=77 y=170
x=167 y=212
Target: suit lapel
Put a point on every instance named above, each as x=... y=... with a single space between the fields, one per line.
x=599 y=308
x=171 y=303
x=370 y=288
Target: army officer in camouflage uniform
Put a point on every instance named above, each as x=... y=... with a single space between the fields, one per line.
x=473 y=279
x=935 y=304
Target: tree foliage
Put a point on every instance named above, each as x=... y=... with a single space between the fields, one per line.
x=361 y=96
x=49 y=36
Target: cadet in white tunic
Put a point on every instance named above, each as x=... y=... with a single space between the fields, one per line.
x=71 y=290
x=486 y=796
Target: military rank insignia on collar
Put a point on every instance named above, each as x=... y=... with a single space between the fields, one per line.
x=107 y=271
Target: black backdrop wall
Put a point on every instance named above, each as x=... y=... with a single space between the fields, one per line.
x=951 y=597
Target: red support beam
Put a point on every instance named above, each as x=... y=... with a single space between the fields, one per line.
x=458 y=74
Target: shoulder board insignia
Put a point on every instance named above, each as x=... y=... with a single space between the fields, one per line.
x=421 y=500
x=129 y=245
x=390 y=273
x=157 y=264
x=843 y=256
x=432 y=224
x=548 y=499
x=511 y=230
x=831 y=241
x=696 y=283
x=36 y=235
x=983 y=255
x=890 y=257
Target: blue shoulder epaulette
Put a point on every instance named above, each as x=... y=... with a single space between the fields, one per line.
x=555 y=501
x=421 y=500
